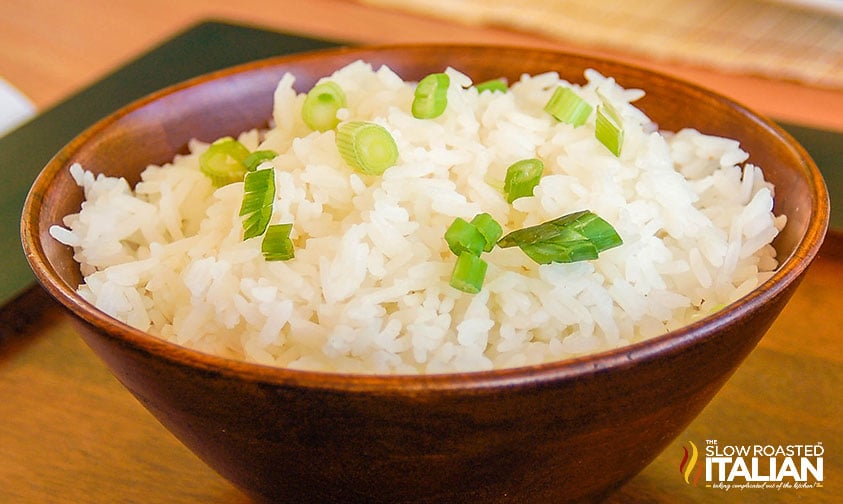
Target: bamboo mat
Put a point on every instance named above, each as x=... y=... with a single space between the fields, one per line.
x=797 y=40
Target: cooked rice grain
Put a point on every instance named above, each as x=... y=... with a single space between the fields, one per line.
x=368 y=289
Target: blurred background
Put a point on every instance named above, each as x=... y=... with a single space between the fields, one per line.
x=49 y=49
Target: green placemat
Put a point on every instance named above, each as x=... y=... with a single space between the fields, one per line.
x=205 y=47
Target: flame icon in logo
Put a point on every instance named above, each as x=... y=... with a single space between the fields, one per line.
x=689 y=461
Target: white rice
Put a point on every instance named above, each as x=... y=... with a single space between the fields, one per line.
x=367 y=291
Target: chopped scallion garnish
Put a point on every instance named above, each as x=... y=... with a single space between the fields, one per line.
x=367 y=147
x=258 y=197
x=468 y=240
x=598 y=231
x=562 y=249
x=222 y=162
x=431 y=96
x=521 y=178
x=469 y=273
x=494 y=85
x=463 y=236
x=276 y=244
x=321 y=104
x=489 y=228
x=254 y=159
x=567 y=107
x=575 y=237
x=609 y=127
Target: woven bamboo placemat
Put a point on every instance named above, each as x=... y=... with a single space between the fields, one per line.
x=796 y=40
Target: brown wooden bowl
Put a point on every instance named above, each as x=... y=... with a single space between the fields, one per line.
x=572 y=430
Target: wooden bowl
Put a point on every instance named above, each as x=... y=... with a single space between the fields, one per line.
x=572 y=430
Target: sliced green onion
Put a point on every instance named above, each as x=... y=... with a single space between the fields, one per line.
x=469 y=273
x=321 y=104
x=463 y=236
x=521 y=178
x=489 y=228
x=598 y=231
x=222 y=162
x=467 y=240
x=540 y=232
x=366 y=147
x=567 y=107
x=494 y=85
x=561 y=250
x=545 y=231
x=609 y=127
x=276 y=244
x=546 y=253
x=574 y=237
x=431 y=96
x=258 y=197
x=254 y=159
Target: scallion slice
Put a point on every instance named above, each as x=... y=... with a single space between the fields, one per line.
x=254 y=159
x=431 y=96
x=609 y=127
x=494 y=85
x=366 y=147
x=561 y=250
x=469 y=273
x=566 y=106
x=222 y=162
x=463 y=236
x=521 y=178
x=489 y=228
x=276 y=244
x=321 y=104
x=574 y=237
x=258 y=197
x=598 y=231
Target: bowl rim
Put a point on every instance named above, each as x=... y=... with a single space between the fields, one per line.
x=789 y=271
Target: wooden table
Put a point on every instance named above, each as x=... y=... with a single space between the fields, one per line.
x=70 y=433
